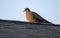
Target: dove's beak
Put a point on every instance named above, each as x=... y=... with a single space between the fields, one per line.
x=24 y=10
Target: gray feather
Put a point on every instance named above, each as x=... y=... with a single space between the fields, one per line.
x=38 y=18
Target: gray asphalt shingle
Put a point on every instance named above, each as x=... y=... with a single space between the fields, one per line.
x=17 y=29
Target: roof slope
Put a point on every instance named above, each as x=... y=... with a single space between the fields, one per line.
x=18 y=29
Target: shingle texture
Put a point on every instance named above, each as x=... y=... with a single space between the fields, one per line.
x=18 y=29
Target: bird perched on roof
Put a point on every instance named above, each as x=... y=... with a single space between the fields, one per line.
x=34 y=17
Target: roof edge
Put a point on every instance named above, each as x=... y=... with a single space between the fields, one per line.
x=15 y=21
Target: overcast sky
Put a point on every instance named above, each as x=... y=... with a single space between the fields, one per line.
x=14 y=9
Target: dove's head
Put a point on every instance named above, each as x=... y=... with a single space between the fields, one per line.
x=27 y=9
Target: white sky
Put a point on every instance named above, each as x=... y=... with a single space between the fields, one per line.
x=14 y=9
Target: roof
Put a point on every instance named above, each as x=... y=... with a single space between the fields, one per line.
x=19 y=29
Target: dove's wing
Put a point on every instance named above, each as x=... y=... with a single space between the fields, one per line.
x=38 y=18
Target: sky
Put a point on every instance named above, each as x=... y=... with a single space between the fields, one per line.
x=14 y=9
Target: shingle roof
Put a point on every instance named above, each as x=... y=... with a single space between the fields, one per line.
x=19 y=29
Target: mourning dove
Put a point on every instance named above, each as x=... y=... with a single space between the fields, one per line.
x=34 y=17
